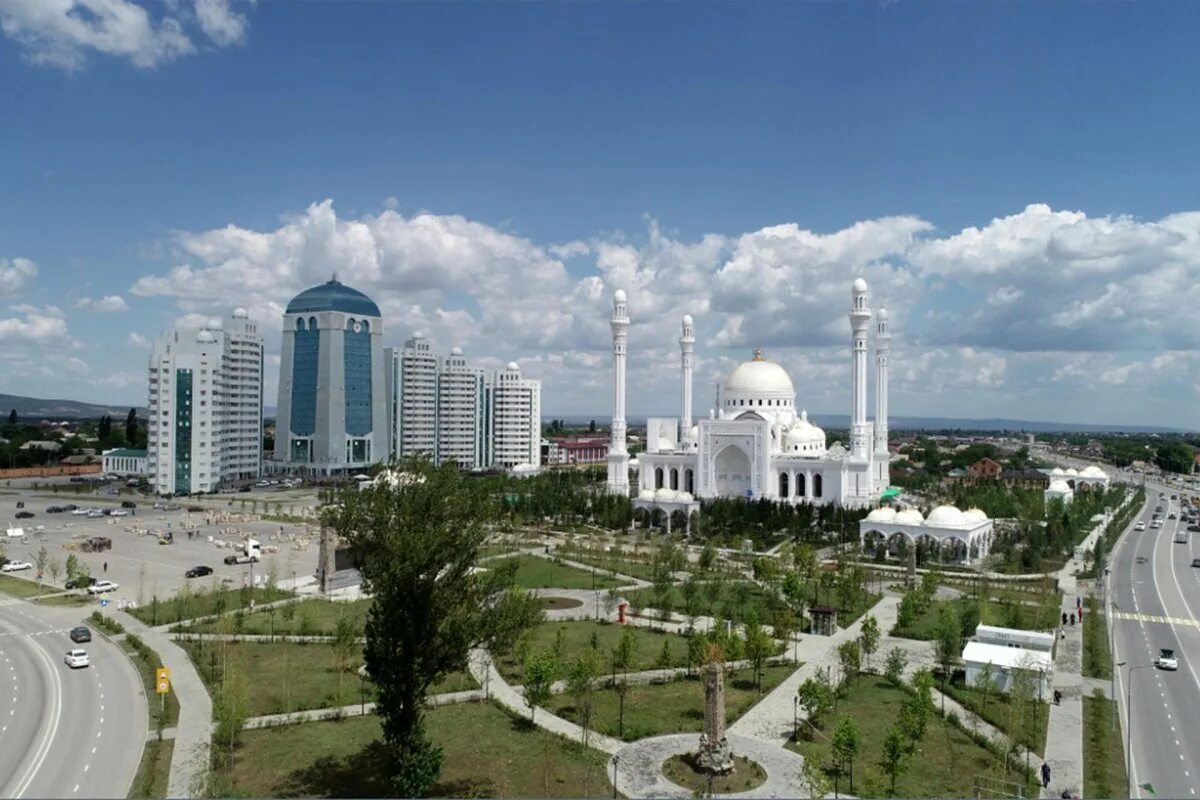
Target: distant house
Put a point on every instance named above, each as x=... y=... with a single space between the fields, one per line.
x=77 y=461
x=1027 y=478
x=985 y=468
x=125 y=462
x=42 y=444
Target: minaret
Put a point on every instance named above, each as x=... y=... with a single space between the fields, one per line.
x=883 y=348
x=687 y=349
x=860 y=317
x=618 y=455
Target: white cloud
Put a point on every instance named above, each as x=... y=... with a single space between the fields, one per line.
x=15 y=274
x=34 y=326
x=109 y=304
x=63 y=33
x=137 y=340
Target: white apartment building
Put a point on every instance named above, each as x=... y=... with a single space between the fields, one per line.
x=205 y=406
x=454 y=412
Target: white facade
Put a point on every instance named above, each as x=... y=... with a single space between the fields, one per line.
x=515 y=414
x=618 y=452
x=413 y=384
x=332 y=414
x=1080 y=480
x=462 y=413
x=757 y=443
x=205 y=406
x=126 y=463
x=962 y=536
x=1009 y=650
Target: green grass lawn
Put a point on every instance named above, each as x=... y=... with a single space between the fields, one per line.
x=163 y=710
x=739 y=601
x=675 y=707
x=1097 y=662
x=947 y=762
x=614 y=562
x=73 y=600
x=1006 y=614
x=294 y=677
x=154 y=771
x=486 y=753
x=321 y=616
x=1103 y=755
x=19 y=587
x=577 y=636
x=542 y=573
x=203 y=601
x=998 y=711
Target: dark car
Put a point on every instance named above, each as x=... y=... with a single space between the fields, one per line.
x=128 y=504
x=245 y=488
x=24 y=515
x=1196 y=562
x=81 y=634
x=54 y=510
x=195 y=509
x=198 y=572
x=79 y=583
x=70 y=507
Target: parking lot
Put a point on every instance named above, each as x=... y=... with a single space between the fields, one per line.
x=137 y=561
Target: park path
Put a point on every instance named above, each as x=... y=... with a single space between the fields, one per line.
x=190 y=759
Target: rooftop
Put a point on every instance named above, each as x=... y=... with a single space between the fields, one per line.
x=333 y=296
x=1007 y=657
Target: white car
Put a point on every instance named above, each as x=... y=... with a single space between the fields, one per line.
x=16 y=566
x=95 y=513
x=1141 y=526
x=76 y=659
x=100 y=587
x=1166 y=659
x=118 y=512
x=79 y=512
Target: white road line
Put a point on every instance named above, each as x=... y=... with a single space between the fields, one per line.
x=56 y=717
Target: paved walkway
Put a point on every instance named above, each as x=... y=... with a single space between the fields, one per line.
x=189 y=761
x=1064 y=734
x=638 y=766
x=485 y=672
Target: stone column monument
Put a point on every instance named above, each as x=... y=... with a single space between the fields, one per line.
x=715 y=756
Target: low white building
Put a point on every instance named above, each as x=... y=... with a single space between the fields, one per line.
x=1059 y=489
x=963 y=536
x=1009 y=650
x=1081 y=480
x=124 y=462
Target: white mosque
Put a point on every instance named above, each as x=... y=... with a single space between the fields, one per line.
x=757 y=443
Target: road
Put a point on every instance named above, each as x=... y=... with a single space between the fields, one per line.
x=64 y=732
x=1156 y=597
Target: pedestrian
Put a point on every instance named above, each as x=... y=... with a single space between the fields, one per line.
x=1072 y=618
x=1081 y=615
x=105 y=566
x=1064 y=622
x=1045 y=775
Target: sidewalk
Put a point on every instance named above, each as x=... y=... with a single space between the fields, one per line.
x=1064 y=734
x=189 y=762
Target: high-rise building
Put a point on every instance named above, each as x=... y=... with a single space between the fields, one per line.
x=451 y=411
x=205 y=406
x=332 y=414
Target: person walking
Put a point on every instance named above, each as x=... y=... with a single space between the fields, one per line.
x=1064 y=618
x=1045 y=775
x=1072 y=618
x=105 y=567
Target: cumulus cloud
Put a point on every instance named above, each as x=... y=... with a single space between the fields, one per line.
x=137 y=340
x=34 y=326
x=109 y=304
x=15 y=274
x=63 y=33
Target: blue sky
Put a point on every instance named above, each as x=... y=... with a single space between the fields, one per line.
x=1017 y=182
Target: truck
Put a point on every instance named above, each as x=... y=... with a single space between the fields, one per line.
x=249 y=552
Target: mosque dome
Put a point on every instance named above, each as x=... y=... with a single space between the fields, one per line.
x=1071 y=472
x=1093 y=472
x=1059 y=486
x=619 y=296
x=946 y=517
x=804 y=436
x=882 y=514
x=759 y=376
x=333 y=296
x=205 y=337
x=456 y=351
x=694 y=434
x=241 y=313
x=974 y=516
x=909 y=516
x=860 y=285
x=665 y=445
x=1056 y=472
x=646 y=494
x=881 y=314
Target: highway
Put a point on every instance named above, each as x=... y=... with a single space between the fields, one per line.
x=1155 y=594
x=64 y=732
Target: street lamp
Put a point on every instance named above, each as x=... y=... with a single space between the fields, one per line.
x=1129 y=724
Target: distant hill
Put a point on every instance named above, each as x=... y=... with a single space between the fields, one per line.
x=31 y=409
x=929 y=424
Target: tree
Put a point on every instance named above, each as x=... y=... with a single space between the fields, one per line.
x=985 y=681
x=12 y=417
x=581 y=683
x=416 y=544
x=696 y=644
x=55 y=569
x=869 y=638
x=759 y=647
x=77 y=570
x=592 y=426
x=708 y=557
x=664 y=656
x=949 y=644
x=691 y=600
x=894 y=666
x=850 y=656
x=231 y=709
x=783 y=623
x=540 y=671
x=894 y=759
x=42 y=557
x=344 y=647
x=816 y=697
x=104 y=429
x=623 y=657
x=846 y=746
x=795 y=592
x=131 y=428
x=813 y=779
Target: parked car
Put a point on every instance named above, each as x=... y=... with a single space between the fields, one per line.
x=24 y=515
x=100 y=587
x=54 y=510
x=195 y=509
x=81 y=634
x=70 y=507
x=1166 y=659
x=79 y=583
x=16 y=566
x=198 y=572
x=118 y=512
x=76 y=659
x=1196 y=562
x=128 y=504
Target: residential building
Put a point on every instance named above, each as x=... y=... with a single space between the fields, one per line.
x=583 y=450
x=332 y=411
x=412 y=381
x=514 y=406
x=985 y=468
x=205 y=406
x=123 y=461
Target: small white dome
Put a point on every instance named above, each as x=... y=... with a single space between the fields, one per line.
x=205 y=336
x=860 y=286
x=1093 y=472
x=213 y=324
x=694 y=434
x=634 y=463
x=619 y=296
x=1056 y=472
x=665 y=444
x=456 y=351
x=909 y=516
x=974 y=516
x=882 y=314
x=512 y=367
x=759 y=376
x=946 y=517
x=804 y=433
x=683 y=497
x=1071 y=472
x=883 y=514
x=1059 y=486
x=646 y=494
x=418 y=335
x=687 y=319
x=241 y=313
x=665 y=494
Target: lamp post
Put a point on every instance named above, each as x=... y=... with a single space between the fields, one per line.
x=795 y=715
x=1129 y=724
x=616 y=760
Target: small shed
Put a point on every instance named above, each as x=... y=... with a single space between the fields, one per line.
x=824 y=620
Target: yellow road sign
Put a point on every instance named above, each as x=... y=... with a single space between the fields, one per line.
x=162 y=680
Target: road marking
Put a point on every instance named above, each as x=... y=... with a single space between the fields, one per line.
x=93 y=751
x=86 y=767
x=56 y=716
x=1155 y=618
x=76 y=789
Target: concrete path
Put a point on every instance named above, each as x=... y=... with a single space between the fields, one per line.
x=190 y=759
x=354 y=710
x=638 y=766
x=496 y=688
x=1064 y=734
x=1092 y=684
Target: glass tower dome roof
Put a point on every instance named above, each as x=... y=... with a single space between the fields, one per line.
x=333 y=296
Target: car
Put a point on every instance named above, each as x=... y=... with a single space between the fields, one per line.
x=118 y=512
x=70 y=507
x=1171 y=515
x=76 y=659
x=128 y=504
x=100 y=587
x=81 y=634
x=24 y=515
x=1196 y=562
x=16 y=566
x=195 y=509
x=54 y=510
x=1166 y=659
x=1141 y=526
x=79 y=582
x=198 y=572
x=245 y=488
